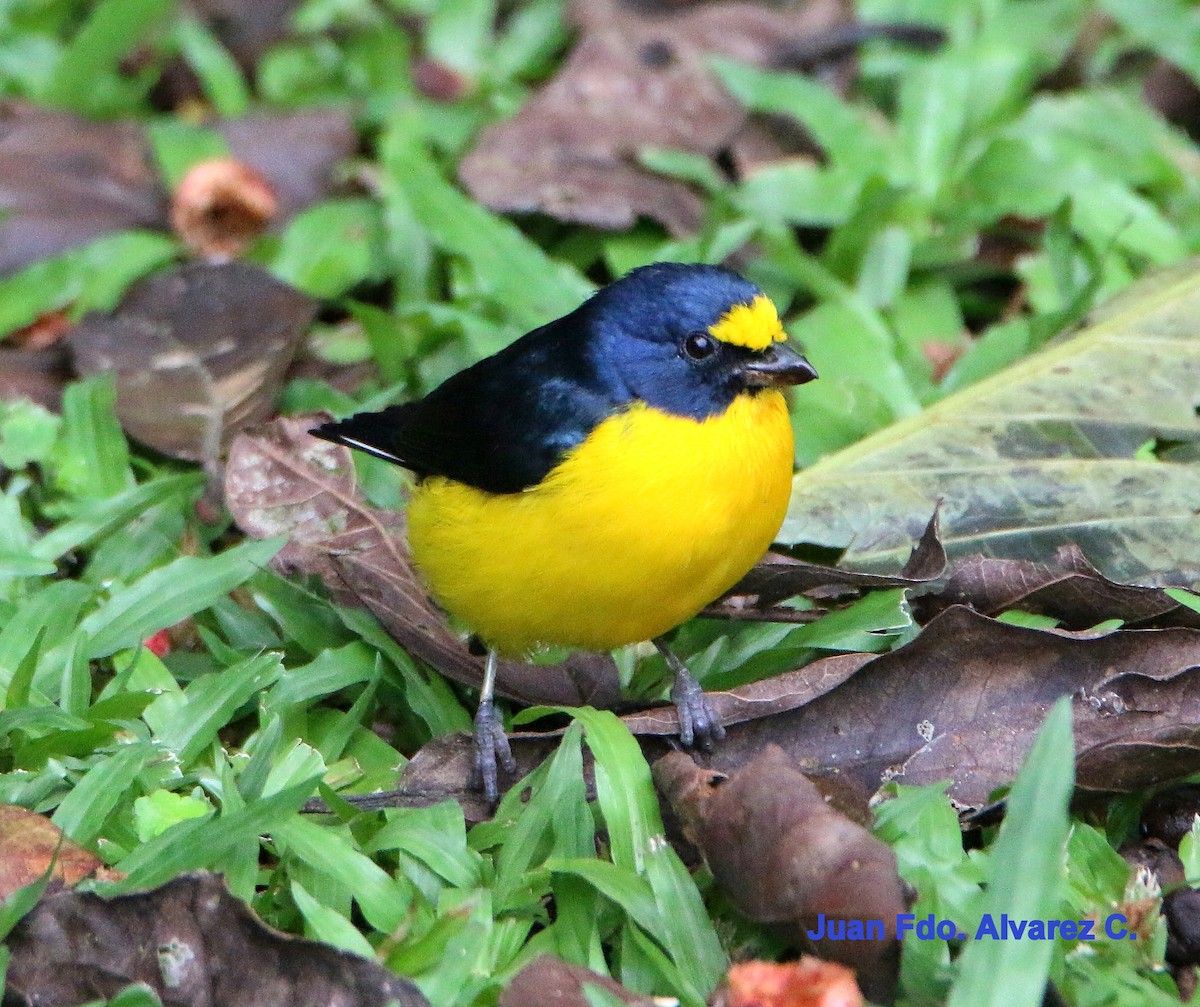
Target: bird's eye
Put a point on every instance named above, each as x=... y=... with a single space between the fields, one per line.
x=699 y=345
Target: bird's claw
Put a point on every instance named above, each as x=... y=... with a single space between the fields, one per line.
x=699 y=724
x=491 y=747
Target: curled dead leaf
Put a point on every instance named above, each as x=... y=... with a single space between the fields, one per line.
x=779 y=576
x=1069 y=589
x=963 y=701
x=783 y=856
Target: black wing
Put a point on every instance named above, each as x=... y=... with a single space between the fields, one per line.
x=500 y=425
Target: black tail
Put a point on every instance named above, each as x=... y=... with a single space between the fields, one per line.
x=373 y=433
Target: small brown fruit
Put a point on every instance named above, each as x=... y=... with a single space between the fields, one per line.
x=220 y=207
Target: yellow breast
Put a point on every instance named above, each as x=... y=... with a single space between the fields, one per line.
x=648 y=520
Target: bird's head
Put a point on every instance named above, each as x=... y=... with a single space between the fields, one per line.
x=688 y=339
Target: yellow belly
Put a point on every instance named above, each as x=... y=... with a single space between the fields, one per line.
x=642 y=525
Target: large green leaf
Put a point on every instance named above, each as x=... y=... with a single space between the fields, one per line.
x=1094 y=441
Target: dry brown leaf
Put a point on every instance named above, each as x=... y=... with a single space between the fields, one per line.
x=65 y=181
x=297 y=154
x=778 y=576
x=964 y=701
x=785 y=857
x=30 y=842
x=1069 y=589
x=637 y=78
x=279 y=480
x=199 y=353
x=193 y=943
x=440 y=770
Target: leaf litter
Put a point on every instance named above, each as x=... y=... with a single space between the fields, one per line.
x=190 y=941
x=199 y=353
x=31 y=844
x=638 y=78
x=66 y=181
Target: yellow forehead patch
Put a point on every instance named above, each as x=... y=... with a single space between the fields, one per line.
x=755 y=325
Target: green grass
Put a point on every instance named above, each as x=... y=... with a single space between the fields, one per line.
x=203 y=758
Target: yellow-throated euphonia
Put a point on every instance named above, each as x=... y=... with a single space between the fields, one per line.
x=604 y=477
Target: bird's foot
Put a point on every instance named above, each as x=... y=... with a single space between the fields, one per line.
x=699 y=724
x=491 y=747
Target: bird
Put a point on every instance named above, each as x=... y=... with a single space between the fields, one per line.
x=601 y=479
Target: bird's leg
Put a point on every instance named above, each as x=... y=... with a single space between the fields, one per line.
x=699 y=724
x=491 y=743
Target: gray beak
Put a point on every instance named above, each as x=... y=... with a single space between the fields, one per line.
x=776 y=366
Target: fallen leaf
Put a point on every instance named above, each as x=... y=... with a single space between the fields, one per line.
x=30 y=842
x=190 y=941
x=809 y=982
x=65 y=181
x=785 y=857
x=637 y=78
x=550 y=982
x=297 y=154
x=43 y=333
x=778 y=576
x=964 y=700
x=1040 y=456
x=1069 y=589
x=199 y=353
x=279 y=480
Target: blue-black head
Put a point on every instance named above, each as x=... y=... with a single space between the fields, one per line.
x=687 y=339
